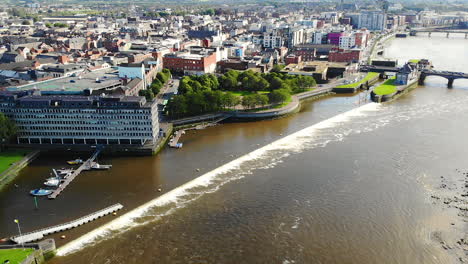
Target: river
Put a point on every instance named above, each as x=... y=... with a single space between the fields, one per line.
x=339 y=182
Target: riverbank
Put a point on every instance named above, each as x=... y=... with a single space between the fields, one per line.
x=452 y=193
x=12 y=162
x=389 y=91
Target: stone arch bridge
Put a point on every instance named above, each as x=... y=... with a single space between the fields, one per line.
x=450 y=76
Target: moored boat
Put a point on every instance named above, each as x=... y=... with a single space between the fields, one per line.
x=40 y=192
x=75 y=162
x=52 y=182
x=97 y=166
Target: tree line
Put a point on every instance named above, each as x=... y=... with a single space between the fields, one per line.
x=7 y=129
x=154 y=88
x=208 y=93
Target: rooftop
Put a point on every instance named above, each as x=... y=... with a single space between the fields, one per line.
x=106 y=78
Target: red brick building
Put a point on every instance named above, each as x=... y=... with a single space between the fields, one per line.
x=306 y=53
x=340 y=55
x=293 y=59
x=191 y=63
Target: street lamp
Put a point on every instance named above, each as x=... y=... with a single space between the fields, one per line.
x=19 y=230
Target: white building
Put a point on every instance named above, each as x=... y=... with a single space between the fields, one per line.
x=318 y=36
x=347 y=42
x=272 y=40
x=372 y=20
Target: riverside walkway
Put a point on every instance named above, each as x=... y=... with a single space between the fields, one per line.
x=85 y=166
x=39 y=234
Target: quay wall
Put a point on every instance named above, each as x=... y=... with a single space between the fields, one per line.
x=13 y=171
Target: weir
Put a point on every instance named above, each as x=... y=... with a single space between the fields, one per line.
x=212 y=179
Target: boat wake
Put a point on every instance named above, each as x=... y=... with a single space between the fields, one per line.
x=262 y=158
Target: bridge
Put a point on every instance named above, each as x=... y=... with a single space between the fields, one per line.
x=429 y=31
x=39 y=234
x=450 y=76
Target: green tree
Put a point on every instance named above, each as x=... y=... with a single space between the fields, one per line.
x=277 y=68
x=26 y=22
x=167 y=72
x=60 y=25
x=306 y=82
x=249 y=101
x=276 y=83
x=177 y=106
x=279 y=96
x=229 y=81
x=261 y=99
x=229 y=100
x=7 y=129
x=163 y=77
x=147 y=93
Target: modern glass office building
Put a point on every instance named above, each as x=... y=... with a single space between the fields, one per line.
x=89 y=120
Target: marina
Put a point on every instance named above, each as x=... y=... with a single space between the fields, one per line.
x=87 y=165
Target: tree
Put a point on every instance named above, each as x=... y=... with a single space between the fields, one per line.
x=7 y=129
x=26 y=22
x=162 y=77
x=249 y=101
x=229 y=81
x=276 y=83
x=147 y=93
x=177 y=106
x=277 y=68
x=229 y=100
x=306 y=82
x=167 y=72
x=279 y=96
x=261 y=99
x=49 y=25
x=60 y=25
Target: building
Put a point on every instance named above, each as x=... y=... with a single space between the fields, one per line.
x=372 y=20
x=292 y=59
x=406 y=74
x=272 y=40
x=196 y=61
x=340 y=55
x=306 y=53
x=317 y=69
x=334 y=38
x=82 y=120
x=347 y=41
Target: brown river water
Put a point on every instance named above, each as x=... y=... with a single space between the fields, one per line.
x=339 y=182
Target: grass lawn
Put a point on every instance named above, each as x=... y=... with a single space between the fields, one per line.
x=8 y=157
x=15 y=256
x=369 y=76
x=388 y=87
x=244 y=93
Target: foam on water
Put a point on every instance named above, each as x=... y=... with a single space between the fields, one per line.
x=182 y=195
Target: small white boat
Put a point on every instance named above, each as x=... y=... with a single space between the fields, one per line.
x=40 y=192
x=64 y=171
x=52 y=182
x=97 y=166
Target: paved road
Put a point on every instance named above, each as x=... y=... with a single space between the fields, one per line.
x=165 y=94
